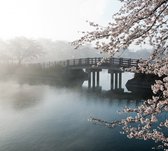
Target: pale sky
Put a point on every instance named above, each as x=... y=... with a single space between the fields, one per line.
x=54 y=19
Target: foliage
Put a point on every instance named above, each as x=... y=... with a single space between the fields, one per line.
x=139 y=22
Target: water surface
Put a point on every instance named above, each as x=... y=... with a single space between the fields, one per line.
x=52 y=118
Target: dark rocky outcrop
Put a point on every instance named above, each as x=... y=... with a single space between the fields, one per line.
x=141 y=83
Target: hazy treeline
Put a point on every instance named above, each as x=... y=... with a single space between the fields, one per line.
x=143 y=53
x=19 y=50
x=22 y=50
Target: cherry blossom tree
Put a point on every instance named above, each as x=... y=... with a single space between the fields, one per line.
x=139 y=22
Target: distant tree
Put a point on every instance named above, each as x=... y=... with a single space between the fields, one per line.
x=140 y=22
x=23 y=49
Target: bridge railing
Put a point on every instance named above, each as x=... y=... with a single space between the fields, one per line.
x=120 y=62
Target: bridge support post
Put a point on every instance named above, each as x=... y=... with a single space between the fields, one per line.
x=89 y=79
x=120 y=80
x=112 y=81
x=93 y=79
x=116 y=80
x=98 y=78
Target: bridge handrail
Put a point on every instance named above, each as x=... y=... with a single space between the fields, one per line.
x=122 y=62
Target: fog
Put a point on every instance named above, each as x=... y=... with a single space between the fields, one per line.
x=141 y=53
x=24 y=50
x=62 y=50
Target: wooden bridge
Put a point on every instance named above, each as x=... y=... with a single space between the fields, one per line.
x=91 y=66
x=73 y=68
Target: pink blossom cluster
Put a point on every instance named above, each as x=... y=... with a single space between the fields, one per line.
x=139 y=22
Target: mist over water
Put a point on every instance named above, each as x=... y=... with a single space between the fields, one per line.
x=51 y=118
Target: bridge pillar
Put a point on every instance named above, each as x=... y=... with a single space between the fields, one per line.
x=116 y=80
x=93 y=77
x=112 y=81
x=120 y=80
x=98 y=78
x=89 y=79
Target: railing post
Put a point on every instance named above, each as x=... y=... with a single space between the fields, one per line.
x=129 y=63
x=73 y=62
x=110 y=61
x=87 y=61
x=80 y=62
x=95 y=61
x=121 y=61
x=113 y=60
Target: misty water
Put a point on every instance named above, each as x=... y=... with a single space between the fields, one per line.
x=52 y=118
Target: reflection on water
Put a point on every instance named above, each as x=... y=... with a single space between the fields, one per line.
x=27 y=97
x=20 y=96
x=48 y=118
